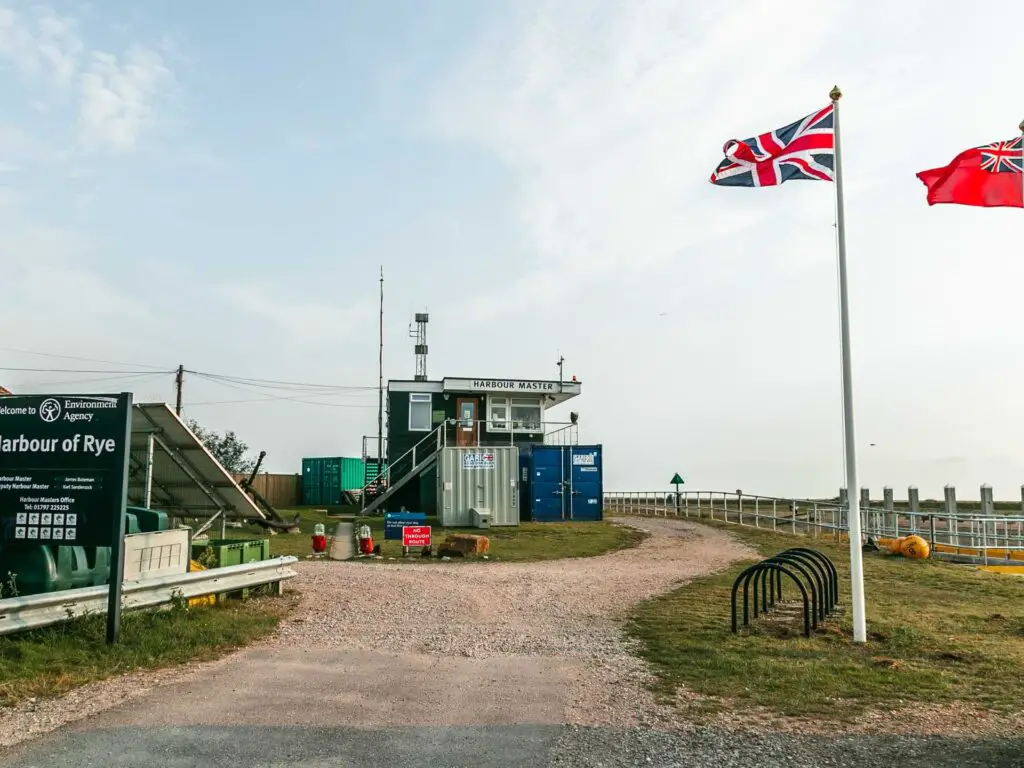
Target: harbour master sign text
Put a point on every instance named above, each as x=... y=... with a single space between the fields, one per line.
x=63 y=467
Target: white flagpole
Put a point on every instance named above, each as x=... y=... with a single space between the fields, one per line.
x=860 y=630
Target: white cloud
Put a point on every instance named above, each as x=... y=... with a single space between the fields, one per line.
x=117 y=97
x=609 y=117
x=609 y=123
x=40 y=43
x=299 y=322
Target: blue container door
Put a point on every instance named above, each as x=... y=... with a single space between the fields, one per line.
x=547 y=483
x=582 y=467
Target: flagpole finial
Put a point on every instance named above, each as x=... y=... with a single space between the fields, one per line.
x=835 y=94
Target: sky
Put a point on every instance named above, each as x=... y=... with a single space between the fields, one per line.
x=185 y=184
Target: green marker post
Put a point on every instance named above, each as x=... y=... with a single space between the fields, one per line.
x=677 y=481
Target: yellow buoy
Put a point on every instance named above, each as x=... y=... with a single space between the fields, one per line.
x=915 y=548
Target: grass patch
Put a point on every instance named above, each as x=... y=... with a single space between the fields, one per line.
x=53 y=660
x=938 y=633
x=525 y=542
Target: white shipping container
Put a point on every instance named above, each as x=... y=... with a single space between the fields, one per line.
x=478 y=478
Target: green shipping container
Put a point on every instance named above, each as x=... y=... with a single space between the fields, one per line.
x=323 y=479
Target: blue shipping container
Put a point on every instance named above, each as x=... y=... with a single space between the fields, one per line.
x=562 y=482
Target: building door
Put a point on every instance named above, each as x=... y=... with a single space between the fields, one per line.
x=468 y=427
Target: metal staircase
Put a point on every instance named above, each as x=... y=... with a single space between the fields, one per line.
x=396 y=474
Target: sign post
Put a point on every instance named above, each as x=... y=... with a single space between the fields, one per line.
x=64 y=477
x=676 y=481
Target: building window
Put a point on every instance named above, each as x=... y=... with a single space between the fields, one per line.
x=497 y=414
x=419 y=412
x=519 y=414
x=525 y=414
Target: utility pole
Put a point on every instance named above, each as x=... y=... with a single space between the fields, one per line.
x=380 y=384
x=179 y=381
x=561 y=362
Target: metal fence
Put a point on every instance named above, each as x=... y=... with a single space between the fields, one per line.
x=18 y=614
x=967 y=534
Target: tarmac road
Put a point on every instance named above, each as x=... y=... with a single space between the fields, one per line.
x=532 y=746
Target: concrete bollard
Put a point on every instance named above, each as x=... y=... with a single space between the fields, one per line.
x=343 y=546
x=950 y=496
x=988 y=507
x=914 y=501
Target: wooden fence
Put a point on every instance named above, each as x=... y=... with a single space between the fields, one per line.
x=279 y=490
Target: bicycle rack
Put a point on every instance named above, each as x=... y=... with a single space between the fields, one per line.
x=813 y=573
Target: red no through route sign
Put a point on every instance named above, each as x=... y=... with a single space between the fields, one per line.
x=416 y=536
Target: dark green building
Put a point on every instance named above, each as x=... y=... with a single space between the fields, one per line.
x=424 y=416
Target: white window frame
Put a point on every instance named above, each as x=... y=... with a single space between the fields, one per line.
x=421 y=398
x=508 y=403
x=503 y=402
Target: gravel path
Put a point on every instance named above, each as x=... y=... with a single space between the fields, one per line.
x=555 y=624
x=456 y=664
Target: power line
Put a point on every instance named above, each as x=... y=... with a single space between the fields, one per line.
x=278 y=384
x=134 y=377
x=81 y=370
x=268 y=398
x=73 y=357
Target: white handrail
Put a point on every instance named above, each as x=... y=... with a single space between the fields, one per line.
x=966 y=530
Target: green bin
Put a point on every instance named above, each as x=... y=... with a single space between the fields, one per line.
x=234 y=551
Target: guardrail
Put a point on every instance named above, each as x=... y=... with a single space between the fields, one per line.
x=984 y=536
x=18 y=614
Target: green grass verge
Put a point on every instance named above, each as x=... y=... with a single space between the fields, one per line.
x=525 y=542
x=938 y=633
x=52 y=660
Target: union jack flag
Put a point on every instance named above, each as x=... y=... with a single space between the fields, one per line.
x=802 y=150
x=1002 y=157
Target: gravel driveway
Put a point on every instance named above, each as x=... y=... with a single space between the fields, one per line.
x=425 y=664
x=424 y=643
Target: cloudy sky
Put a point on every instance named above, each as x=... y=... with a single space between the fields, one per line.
x=182 y=182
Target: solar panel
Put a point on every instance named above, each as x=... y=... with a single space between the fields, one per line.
x=186 y=479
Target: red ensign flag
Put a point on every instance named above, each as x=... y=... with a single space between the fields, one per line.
x=989 y=176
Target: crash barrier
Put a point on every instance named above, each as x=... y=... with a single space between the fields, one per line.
x=18 y=614
x=813 y=573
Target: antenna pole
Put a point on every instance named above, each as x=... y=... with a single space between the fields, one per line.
x=380 y=383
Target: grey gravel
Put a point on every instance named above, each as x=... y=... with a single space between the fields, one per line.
x=717 y=748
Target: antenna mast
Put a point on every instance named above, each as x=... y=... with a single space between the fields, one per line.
x=420 y=334
x=380 y=383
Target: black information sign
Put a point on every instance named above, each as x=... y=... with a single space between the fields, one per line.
x=64 y=476
x=63 y=468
